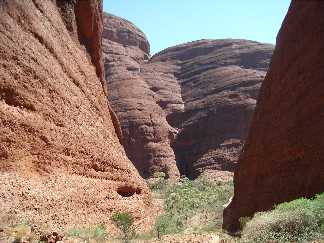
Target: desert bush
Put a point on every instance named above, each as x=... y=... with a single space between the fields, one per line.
x=296 y=221
x=188 y=198
x=159 y=181
x=159 y=174
x=243 y=221
x=21 y=232
x=124 y=221
x=165 y=224
x=97 y=233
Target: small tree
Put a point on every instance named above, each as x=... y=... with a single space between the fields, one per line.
x=124 y=221
x=161 y=225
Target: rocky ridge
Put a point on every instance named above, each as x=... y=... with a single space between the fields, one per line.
x=189 y=105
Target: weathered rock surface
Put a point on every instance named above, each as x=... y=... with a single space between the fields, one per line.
x=189 y=105
x=283 y=156
x=219 y=82
x=146 y=131
x=61 y=163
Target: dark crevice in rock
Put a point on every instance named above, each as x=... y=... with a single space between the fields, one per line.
x=128 y=191
x=89 y=26
x=66 y=8
x=12 y=98
x=116 y=124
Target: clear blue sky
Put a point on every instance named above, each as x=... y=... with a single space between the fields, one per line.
x=170 y=22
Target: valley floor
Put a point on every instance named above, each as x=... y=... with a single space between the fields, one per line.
x=191 y=211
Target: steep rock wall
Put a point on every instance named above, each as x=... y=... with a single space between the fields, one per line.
x=218 y=84
x=283 y=155
x=146 y=132
x=61 y=164
x=189 y=105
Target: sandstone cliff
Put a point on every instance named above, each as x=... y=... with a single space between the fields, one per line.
x=218 y=83
x=189 y=105
x=61 y=163
x=145 y=129
x=283 y=155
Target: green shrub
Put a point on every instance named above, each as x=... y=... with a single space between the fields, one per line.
x=299 y=220
x=243 y=221
x=159 y=185
x=97 y=233
x=188 y=198
x=21 y=232
x=159 y=174
x=124 y=221
x=168 y=224
x=160 y=181
x=162 y=223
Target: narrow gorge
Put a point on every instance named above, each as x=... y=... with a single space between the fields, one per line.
x=187 y=109
x=100 y=137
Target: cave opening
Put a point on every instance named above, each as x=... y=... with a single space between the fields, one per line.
x=128 y=191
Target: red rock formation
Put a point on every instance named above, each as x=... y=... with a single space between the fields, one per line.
x=88 y=15
x=218 y=83
x=146 y=132
x=61 y=164
x=283 y=156
x=188 y=105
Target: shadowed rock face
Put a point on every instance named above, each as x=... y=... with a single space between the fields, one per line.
x=219 y=82
x=61 y=163
x=188 y=105
x=283 y=156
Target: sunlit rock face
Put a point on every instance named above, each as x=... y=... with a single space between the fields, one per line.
x=283 y=155
x=146 y=132
x=61 y=163
x=188 y=108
